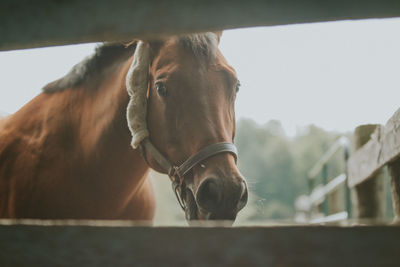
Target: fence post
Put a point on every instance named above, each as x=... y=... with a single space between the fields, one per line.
x=370 y=195
x=394 y=170
x=325 y=204
x=347 y=188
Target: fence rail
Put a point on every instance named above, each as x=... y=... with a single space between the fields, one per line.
x=376 y=147
x=319 y=194
x=113 y=245
x=342 y=143
x=382 y=148
x=307 y=204
x=26 y=24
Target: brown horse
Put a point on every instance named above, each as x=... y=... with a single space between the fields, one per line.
x=67 y=153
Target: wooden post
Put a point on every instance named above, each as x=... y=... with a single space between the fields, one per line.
x=394 y=170
x=325 y=204
x=370 y=195
x=347 y=188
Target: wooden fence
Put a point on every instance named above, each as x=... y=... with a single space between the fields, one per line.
x=317 y=207
x=378 y=146
x=25 y=23
x=123 y=244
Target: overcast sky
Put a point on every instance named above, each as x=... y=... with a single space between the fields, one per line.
x=336 y=75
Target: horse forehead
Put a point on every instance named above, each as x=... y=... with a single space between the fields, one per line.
x=192 y=52
x=182 y=64
x=177 y=56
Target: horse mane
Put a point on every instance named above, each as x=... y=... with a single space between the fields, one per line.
x=93 y=66
x=203 y=45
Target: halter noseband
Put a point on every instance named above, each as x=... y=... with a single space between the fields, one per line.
x=177 y=173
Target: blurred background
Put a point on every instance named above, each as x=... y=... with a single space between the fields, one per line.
x=277 y=168
x=303 y=87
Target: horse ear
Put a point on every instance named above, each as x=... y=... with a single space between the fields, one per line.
x=219 y=35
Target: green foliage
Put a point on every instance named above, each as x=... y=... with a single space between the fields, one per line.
x=276 y=166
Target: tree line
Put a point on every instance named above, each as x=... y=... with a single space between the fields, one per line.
x=275 y=166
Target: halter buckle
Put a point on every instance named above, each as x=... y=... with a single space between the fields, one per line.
x=176 y=184
x=173 y=172
x=175 y=187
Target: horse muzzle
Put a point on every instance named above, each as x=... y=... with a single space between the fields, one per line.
x=216 y=196
x=216 y=199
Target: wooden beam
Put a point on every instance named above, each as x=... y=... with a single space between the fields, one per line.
x=321 y=192
x=342 y=142
x=370 y=201
x=394 y=171
x=25 y=23
x=86 y=245
x=336 y=217
x=383 y=148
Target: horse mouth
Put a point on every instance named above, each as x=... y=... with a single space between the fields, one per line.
x=191 y=211
x=195 y=214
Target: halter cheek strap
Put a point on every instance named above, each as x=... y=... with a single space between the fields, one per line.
x=177 y=173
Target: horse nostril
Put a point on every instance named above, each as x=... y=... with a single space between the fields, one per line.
x=209 y=194
x=243 y=197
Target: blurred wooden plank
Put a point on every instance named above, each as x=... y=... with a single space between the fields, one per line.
x=321 y=192
x=83 y=245
x=342 y=142
x=336 y=217
x=383 y=148
x=25 y=23
x=394 y=171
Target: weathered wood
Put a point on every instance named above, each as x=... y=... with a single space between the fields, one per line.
x=25 y=23
x=394 y=170
x=82 y=245
x=370 y=195
x=383 y=148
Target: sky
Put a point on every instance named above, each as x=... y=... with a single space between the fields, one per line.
x=336 y=75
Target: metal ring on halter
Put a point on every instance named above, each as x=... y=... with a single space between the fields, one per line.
x=175 y=188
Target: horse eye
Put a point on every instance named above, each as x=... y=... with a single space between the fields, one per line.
x=161 y=89
x=237 y=86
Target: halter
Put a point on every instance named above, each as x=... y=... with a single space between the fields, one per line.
x=177 y=173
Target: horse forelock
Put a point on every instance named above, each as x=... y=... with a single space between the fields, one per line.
x=203 y=45
x=93 y=66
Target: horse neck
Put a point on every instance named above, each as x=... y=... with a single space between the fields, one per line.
x=102 y=112
x=76 y=141
x=92 y=122
x=103 y=123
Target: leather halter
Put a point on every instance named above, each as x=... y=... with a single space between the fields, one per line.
x=177 y=173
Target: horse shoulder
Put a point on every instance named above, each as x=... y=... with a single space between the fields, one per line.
x=142 y=205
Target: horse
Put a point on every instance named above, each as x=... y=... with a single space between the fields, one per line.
x=83 y=147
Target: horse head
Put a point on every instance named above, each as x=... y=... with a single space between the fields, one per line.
x=182 y=101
